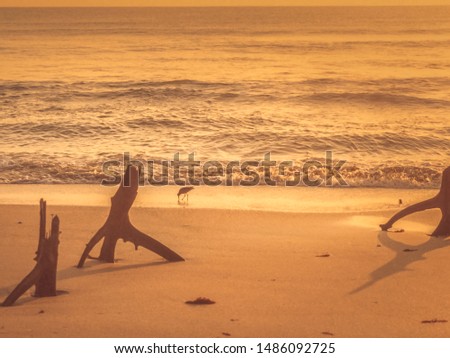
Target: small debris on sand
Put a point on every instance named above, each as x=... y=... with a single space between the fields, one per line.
x=226 y=334
x=435 y=321
x=378 y=245
x=234 y=320
x=327 y=334
x=19 y=222
x=41 y=312
x=324 y=255
x=201 y=301
x=409 y=250
x=394 y=230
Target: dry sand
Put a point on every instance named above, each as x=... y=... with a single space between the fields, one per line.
x=263 y=269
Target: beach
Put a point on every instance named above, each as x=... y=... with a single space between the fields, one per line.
x=302 y=130
x=271 y=273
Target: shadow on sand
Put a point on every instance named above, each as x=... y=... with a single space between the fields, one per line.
x=73 y=272
x=405 y=255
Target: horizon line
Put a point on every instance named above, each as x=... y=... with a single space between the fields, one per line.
x=214 y=6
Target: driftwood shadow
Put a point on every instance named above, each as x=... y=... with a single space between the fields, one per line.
x=405 y=255
x=73 y=272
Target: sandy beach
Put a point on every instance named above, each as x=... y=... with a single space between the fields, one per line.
x=296 y=127
x=271 y=274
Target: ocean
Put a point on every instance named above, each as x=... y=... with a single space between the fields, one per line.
x=81 y=86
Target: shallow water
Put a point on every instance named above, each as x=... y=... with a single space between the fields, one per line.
x=273 y=199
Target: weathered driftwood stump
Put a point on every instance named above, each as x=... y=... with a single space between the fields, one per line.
x=440 y=201
x=118 y=225
x=44 y=273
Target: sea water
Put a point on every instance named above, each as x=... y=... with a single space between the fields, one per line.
x=81 y=86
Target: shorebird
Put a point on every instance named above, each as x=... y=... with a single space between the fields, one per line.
x=185 y=192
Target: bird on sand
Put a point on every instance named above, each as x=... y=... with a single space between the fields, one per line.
x=185 y=192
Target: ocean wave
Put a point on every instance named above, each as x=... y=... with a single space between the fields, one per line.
x=398 y=92
x=55 y=130
x=181 y=82
x=150 y=122
x=378 y=98
x=240 y=119
x=333 y=46
x=27 y=169
x=378 y=82
x=375 y=89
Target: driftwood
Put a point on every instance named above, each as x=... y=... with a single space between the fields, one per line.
x=118 y=225
x=440 y=201
x=44 y=273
